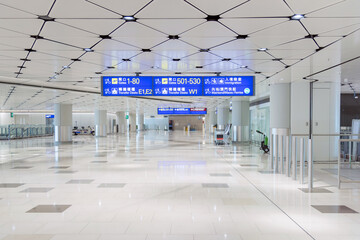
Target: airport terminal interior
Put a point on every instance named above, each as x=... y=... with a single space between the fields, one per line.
x=179 y=119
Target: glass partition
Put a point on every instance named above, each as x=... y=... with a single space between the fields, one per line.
x=17 y=131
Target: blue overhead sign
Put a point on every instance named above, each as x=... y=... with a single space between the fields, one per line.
x=126 y=86
x=182 y=111
x=229 y=86
x=177 y=86
x=49 y=116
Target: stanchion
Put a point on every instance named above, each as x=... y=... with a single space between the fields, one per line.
x=302 y=160
x=294 y=157
x=310 y=166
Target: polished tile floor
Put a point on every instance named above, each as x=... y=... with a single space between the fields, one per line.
x=163 y=185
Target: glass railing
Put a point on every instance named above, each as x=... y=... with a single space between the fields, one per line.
x=25 y=131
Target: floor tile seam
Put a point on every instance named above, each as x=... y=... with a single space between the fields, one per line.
x=268 y=198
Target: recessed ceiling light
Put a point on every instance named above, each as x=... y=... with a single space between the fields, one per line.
x=242 y=36
x=30 y=50
x=36 y=37
x=243 y=66
x=297 y=16
x=262 y=49
x=104 y=36
x=204 y=50
x=88 y=50
x=46 y=18
x=213 y=18
x=173 y=37
x=129 y=18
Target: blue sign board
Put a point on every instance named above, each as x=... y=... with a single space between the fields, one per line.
x=182 y=111
x=49 y=116
x=126 y=86
x=177 y=86
x=229 y=86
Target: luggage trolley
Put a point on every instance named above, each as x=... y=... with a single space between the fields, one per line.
x=222 y=137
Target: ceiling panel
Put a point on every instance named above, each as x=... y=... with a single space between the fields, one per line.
x=170 y=9
x=11 y=55
x=22 y=26
x=36 y=7
x=306 y=44
x=39 y=55
x=249 y=26
x=341 y=31
x=123 y=7
x=324 y=41
x=79 y=23
x=348 y=8
x=172 y=26
x=290 y=53
x=216 y=7
x=7 y=11
x=320 y=25
x=261 y=8
x=80 y=9
x=234 y=53
x=306 y=6
x=95 y=26
x=54 y=30
x=271 y=66
x=17 y=43
x=110 y=45
x=133 y=29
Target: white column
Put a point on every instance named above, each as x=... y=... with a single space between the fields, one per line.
x=279 y=123
x=100 y=123
x=140 y=121
x=132 y=118
x=326 y=115
x=240 y=119
x=223 y=115
x=212 y=120
x=280 y=106
x=63 y=123
x=121 y=121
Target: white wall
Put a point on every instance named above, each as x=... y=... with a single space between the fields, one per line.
x=180 y=122
x=83 y=119
x=88 y=119
x=156 y=123
x=5 y=119
x=30 y=118
x=23 y=118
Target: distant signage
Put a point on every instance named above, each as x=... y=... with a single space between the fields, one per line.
x=229 y=86
x=127 y=86
x=12 y=115
x=178 y=86
x=49 y=116
x=182 y=111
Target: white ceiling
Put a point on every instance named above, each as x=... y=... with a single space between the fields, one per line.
x=212 y=37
